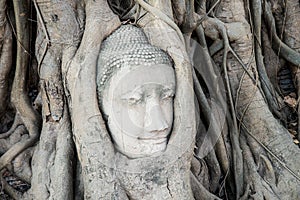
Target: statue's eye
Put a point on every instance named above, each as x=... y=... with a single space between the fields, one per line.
x=134 y=100
x=167 y=95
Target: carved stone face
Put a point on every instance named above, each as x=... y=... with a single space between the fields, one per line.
x=138 y=103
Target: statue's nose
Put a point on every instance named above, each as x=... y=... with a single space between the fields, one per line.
x=155 y=120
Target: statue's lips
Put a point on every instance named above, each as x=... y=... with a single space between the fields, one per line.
x=156 y=140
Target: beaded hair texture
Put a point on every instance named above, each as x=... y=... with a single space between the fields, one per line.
x=128 y=45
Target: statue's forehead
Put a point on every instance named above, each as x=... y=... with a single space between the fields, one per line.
x=141 y=77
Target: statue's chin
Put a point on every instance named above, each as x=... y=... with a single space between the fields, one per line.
x=144 y=149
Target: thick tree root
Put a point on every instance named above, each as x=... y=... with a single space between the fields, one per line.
x=267 y=87
x=60 y=30
x=17 y=122
x=256 y=118
x=9 y=189
x=5 y=58
x=19 y=96
x=93 y=143
x=200 y=192
x=158 y=13
x=285 y=51
x=292 y=39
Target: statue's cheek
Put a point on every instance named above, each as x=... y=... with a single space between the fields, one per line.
x=168 y=111
x=128 y=119
x=135 y=120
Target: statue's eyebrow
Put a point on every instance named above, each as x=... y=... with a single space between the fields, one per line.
x=129 y=94
x=166 y=88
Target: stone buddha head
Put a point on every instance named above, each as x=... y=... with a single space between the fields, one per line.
x=136 y=87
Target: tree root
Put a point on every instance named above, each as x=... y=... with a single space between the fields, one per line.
x=234 y=134
x=216 y=126
x=191 y=19
x=16 y=136
x=271 y=61
x=285 y=51
x=179 y=8
x=291 y=34
x=21 y=165
x=266 y=85
x=215 y=171
x=158 y=13
x=269 y=172
x=220 y=28
x=254 y=177
x=19 y=96
x=200 y=192
x=216 y=46
x=5 y=57
x=48 y=41
x=257 y=187
x=294 y=174
x=87 y=123
x=252 y=96
x=213 y=132
x=17 y=122
x=9 y=189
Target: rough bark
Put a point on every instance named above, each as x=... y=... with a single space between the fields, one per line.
x=5 y=60
x=253 y=113
x=55 y=151
x=292 y=39
x=92 y=141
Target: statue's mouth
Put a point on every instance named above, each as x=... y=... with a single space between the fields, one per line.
x=155 y=140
